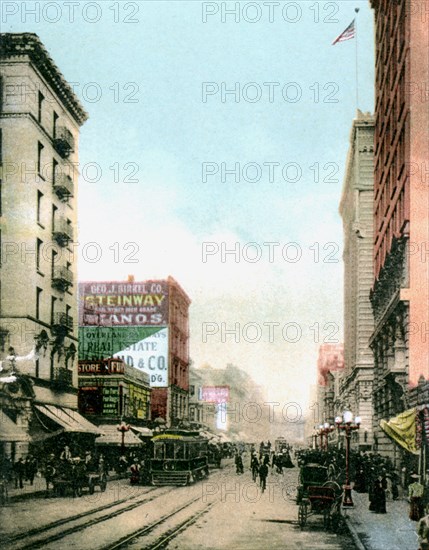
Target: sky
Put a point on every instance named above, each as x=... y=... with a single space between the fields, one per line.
x=179 y=95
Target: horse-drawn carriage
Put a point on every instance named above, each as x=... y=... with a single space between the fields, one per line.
x=318 y=495
x=75 y=477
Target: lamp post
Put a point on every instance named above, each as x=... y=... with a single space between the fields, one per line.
x=123 y=428
x=348 y=426
x=326 y=429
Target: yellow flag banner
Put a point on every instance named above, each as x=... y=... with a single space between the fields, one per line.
x=402 y=429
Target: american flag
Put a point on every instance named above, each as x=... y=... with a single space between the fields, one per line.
x=347 y=34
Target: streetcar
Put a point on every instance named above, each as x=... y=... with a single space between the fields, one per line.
x=179 y=457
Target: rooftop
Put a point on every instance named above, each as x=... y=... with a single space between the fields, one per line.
x=16 y=45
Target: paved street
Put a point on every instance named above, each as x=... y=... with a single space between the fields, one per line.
x=239 y=516
x=246 y=518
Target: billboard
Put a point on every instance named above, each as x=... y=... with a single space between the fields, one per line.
x=214 y=394
x=141 y=347
x=123 y=304
x=126 y=320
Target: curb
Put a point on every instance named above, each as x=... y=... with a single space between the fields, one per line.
x=354 y=535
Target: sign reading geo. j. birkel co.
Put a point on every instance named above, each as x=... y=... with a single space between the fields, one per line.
x=123 y=304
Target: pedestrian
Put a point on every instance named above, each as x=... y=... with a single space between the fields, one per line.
x=66 y=454
x=415 y=496
x=239 y=468
x=254 y=466
x=30 y=468
x=19 y=470
x=423 y=532
x=379 y=496
x=263 y=472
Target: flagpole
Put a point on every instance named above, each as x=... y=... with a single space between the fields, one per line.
x=357 y=61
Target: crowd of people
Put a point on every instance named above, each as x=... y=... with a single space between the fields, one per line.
x=260 y=462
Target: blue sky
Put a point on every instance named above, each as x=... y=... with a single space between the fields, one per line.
x=169 y=132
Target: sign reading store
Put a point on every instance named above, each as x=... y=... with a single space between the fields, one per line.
x=109 y=366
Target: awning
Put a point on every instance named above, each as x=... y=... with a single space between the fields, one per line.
x=70 y=420
x=402 y=429
x=112 y=436
x=144 y=432
x=9 y=431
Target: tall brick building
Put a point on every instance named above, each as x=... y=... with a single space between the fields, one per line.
x=400 y=292
x=356 y=209
x=146 y=324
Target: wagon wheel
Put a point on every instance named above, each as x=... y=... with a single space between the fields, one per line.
x=336 y=517
x=326 y=518
x=302 y=514
x=103 y=483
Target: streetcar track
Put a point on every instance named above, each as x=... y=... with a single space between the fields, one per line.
x=181 y=527
x=121 y=543
x=58 y=523
x=76 y=529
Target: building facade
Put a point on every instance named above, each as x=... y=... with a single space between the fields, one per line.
x=40 y=122
x=111 y=389
x=356 y=209
x=146 y=324
x=330 y=366
x=400 y=291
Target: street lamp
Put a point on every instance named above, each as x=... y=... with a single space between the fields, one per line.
x=326 y=429
x=346 y=424
x=123 y=428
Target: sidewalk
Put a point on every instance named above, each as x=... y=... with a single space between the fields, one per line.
x=391 y=531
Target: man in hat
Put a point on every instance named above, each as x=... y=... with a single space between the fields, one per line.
x=415 y=496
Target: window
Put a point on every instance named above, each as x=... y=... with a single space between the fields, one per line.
x=54 y=170
x=38 y=301
x=53 y=260
x=54 y=215
x=39 y=207
x=40 y=106
x=39 y=245
x=54 y=125
x=40 y=148
x=53 y=300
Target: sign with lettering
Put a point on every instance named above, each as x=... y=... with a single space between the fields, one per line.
x=145 y=348
x=111 y=400
x=214 y=394
x=123 y=304
x=101 y=367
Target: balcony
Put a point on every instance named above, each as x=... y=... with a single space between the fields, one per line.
x=62 y=377
x=62 y=323
x=62 y=278
x=63 y=142
x=62 y=232
x=63 y=186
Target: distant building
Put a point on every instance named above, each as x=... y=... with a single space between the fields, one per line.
x=146 y=324
x=330 y=366
x=400 y=291
x=356 y=209
x=40 y=122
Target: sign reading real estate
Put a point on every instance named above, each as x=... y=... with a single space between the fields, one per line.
x=123 y=304
x=145 y=348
